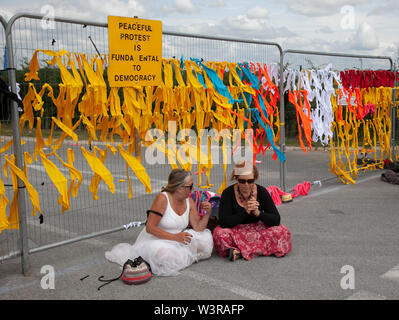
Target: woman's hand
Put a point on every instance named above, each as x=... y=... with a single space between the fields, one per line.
x=252 y=205
x=206 y=206
x=183 y=237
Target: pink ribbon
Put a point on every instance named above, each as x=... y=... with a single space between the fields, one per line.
x=301 y=189
x=368 y=108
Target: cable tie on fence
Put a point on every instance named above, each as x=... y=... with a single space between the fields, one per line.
x=317 y=182
x=133 y=224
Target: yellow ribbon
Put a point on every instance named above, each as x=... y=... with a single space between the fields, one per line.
x=99 y=169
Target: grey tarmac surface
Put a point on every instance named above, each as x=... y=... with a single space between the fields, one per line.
x=333 y=227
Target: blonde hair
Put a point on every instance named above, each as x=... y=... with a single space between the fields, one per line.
x=239 y=170
x=176 y=179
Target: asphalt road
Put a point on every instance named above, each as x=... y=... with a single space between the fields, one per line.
x=344 y=247
x=333 y=227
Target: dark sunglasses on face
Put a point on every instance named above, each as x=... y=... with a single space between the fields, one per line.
x=189 y=187
x=243 y=181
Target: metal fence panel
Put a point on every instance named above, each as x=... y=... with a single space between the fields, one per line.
x=2 y=41
x=111 y=211
x=395 y=115
x=318 y=158
x=8 y=238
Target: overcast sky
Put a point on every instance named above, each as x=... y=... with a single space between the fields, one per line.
x=349 y=26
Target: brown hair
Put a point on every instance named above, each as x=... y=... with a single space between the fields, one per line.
x=175 y=180
x=242 y=164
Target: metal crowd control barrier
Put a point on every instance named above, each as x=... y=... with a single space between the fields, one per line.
x=8 y=240
x=316 y=60
x=395 y=117
x=86 y=218
x=2 y=39
x=23 y=232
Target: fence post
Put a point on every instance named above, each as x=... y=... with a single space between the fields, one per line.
x=282 y=121
x=23 y=231
x=393 y=118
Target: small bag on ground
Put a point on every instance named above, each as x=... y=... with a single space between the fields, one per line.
x=134 y=272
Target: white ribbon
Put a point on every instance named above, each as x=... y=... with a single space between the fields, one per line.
x=273 y=71
x=19 y=97
x=319 y=85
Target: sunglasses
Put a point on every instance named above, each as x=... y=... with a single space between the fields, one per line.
x=244 y=181
x=189 y=187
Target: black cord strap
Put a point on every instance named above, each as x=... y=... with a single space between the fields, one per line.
x=156 y=212
x=110 y=280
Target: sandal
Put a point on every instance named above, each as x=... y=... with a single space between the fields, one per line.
x=234 y=254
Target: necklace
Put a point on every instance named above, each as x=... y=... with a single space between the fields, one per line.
x=242 y=196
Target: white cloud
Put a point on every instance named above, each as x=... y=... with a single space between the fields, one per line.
x=320 y=8
x=217 y=3
x=185 y=6
x=392 y=50
x=296 y=24
x=259 y=29
x=166 y=9
x=6 y=14
x=257 y=13
x=197 y=28
x=92 y=10
x=117 y=7
x=325 y=29
x=302 y=43
x=242 y=22
x=365 y=38
x=388 y=6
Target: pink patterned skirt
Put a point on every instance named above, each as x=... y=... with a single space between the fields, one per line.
x=253 y=239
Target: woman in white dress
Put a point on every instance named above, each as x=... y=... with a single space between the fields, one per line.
x=166 y=243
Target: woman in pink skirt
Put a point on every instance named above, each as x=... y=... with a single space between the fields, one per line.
x=249 y=222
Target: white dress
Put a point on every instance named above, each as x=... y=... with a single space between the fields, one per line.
x=166 y=257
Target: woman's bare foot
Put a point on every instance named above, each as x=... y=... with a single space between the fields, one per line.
x=234 y=254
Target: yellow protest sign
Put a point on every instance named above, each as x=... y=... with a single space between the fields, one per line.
x=135 y=52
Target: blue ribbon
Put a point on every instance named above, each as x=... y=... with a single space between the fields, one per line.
x=269 y=132
x=181 y=63
x=218 y=84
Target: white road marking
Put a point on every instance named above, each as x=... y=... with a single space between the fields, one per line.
x=246 y=293
x=320 y=193
x=392 y=274
x=365 y=295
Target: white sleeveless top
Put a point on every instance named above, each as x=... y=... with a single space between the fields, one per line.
x=171 y=221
